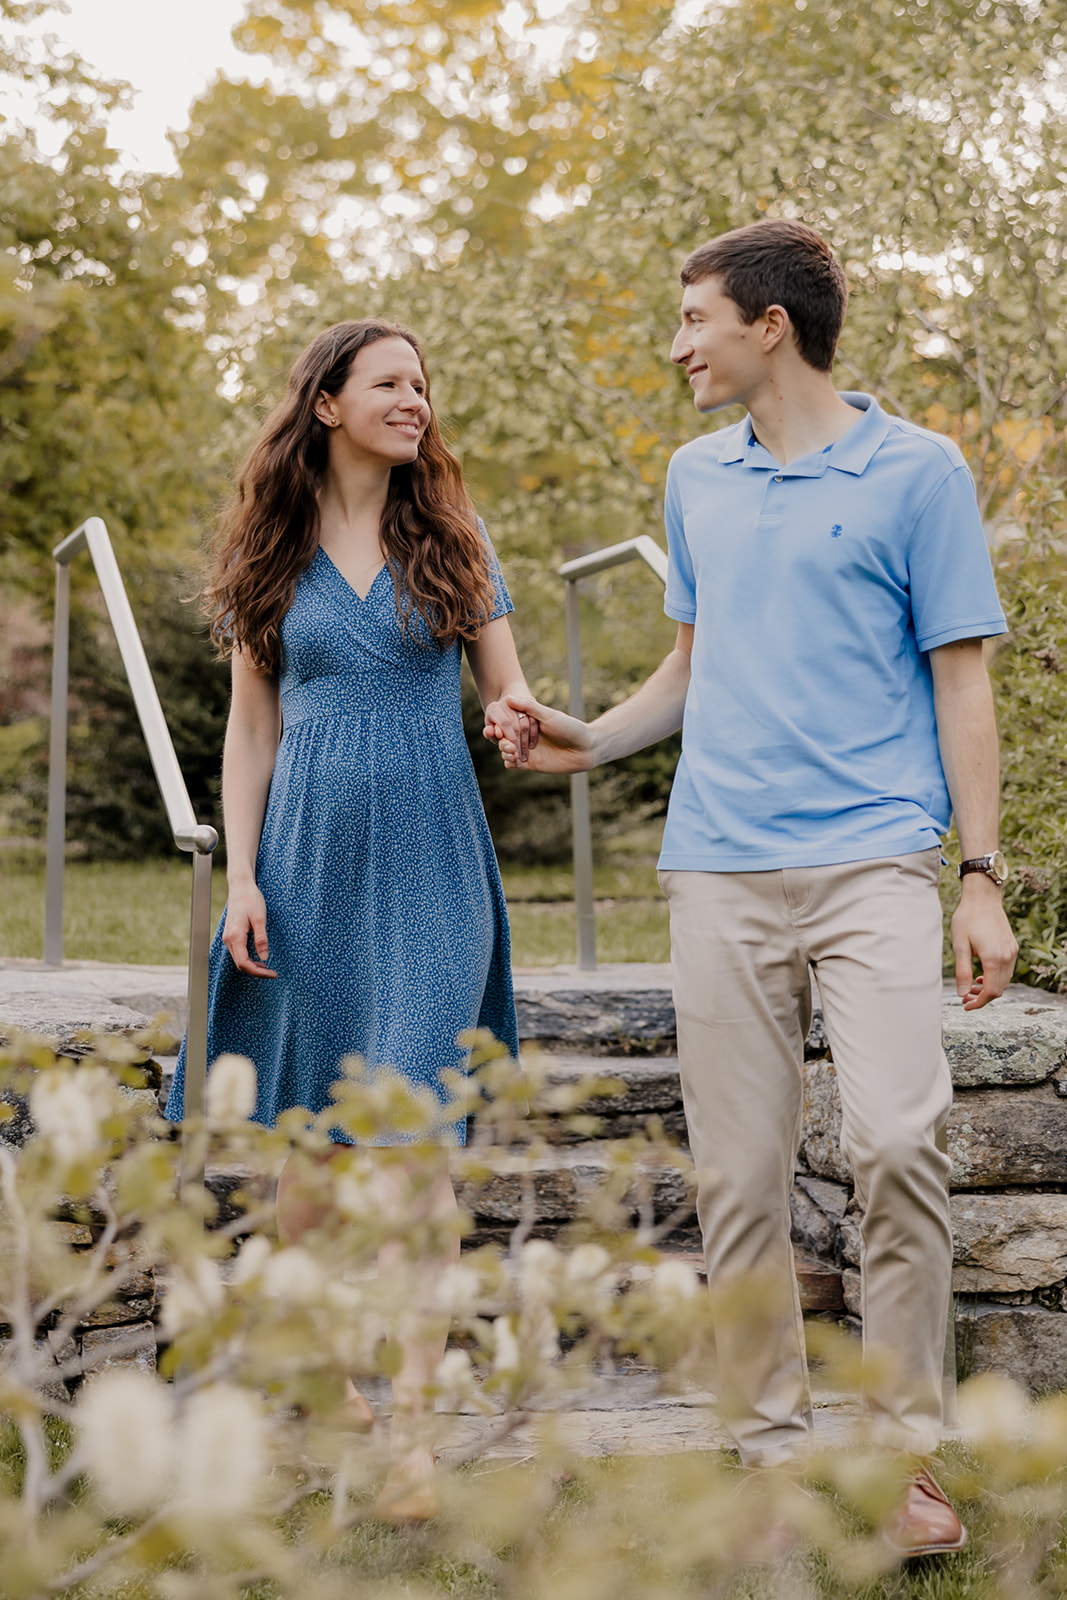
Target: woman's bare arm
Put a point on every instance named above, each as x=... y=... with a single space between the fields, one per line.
x=252 y=734
x=494 y=662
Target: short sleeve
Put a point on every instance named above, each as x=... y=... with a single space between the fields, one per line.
x=680 y=601
x=953 y=595
x=502 y=604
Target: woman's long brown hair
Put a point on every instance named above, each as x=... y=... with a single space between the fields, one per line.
x=270 y=530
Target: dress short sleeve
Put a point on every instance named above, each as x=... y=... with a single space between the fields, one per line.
x=502 y=603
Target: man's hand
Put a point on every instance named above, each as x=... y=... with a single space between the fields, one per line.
x=981 y=932
x=560 y=744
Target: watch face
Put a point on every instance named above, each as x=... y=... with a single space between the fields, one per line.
x=998 y=867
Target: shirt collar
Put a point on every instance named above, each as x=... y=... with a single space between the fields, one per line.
x=850 y=453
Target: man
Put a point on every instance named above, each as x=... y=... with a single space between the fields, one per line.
x=832 y=587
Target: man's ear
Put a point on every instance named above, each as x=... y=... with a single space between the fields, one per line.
x=776 y=325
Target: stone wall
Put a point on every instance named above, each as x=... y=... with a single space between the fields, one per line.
x=1007 y=1140
x=122 y=1330
x=1007 y=1137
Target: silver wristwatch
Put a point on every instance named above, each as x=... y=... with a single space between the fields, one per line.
x=994 y=866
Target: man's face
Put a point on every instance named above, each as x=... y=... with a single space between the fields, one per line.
x=721 y=353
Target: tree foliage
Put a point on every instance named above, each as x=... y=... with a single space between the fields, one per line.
x=107 y=395
x=526 y=209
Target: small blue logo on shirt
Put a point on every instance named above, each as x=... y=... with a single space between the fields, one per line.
x=836 y=531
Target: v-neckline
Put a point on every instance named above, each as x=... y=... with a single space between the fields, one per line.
x=362 y=598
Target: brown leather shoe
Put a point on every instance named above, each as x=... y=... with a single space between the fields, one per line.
x=925 y=1524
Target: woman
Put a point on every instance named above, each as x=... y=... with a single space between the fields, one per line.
x=365 y=912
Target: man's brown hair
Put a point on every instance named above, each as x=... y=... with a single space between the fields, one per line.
x=779 y=263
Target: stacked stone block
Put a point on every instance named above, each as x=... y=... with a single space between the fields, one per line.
x=122 y=1329
x=1007 y=1140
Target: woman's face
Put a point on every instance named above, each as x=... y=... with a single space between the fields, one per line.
x=382 y=411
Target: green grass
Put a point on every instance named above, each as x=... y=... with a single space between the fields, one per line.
x=435 y=1564
x=138 y=911
x=112 y=910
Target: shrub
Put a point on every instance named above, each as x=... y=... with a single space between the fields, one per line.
x=226 y=1473
x=1030 y=683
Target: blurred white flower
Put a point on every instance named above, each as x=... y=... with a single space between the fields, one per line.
x=124 y=1425
x=346 y=1298
x=507 y=1354
x=191 y=1294
x=356 y=1196
x=586 y=1262
x=251 y=1259
x=541 y=1333
x=231 y=1089
x=459 y=1290
x=68 y=1108
x=674 y=1280
x=589 y=1271
x=221 y=1453
x=293 y=1274
x=993 y=1410
x=455 y=1378
x=539 y=1265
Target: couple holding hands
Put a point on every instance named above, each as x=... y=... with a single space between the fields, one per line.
x=829 y=576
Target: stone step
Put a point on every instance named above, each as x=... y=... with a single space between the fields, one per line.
x=996 y=1137
x=1004 y=1244
x=563 y=1182
x=639 y=1087
x=818 y=1282
x=67 y=1019
x=623 y=1009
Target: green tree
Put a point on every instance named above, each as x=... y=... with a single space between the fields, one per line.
x=109 y=407
x=107 y=394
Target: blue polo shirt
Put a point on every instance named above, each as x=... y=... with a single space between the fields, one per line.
x=817 y=591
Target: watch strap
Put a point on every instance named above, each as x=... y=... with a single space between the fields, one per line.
x=983 y=864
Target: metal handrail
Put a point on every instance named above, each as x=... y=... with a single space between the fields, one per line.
x=643 y=549
x=197 y=839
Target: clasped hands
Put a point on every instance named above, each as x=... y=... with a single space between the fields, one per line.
x=536 y=738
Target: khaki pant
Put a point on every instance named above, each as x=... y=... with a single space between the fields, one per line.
x=742 y=944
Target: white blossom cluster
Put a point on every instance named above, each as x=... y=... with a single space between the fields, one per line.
x=207 y=1461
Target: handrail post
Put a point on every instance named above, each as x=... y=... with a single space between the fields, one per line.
x=581 y=823
x=193 y=1145
x=645 y=549
x=57 y=772
x=188 y=834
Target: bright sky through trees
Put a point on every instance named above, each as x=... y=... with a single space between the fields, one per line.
x=167 y=52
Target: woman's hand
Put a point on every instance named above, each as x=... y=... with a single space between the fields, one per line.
x=562 y=743
x=246 y=913
x=516 y=726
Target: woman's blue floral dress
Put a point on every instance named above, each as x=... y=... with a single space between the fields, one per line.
x=385 y=911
